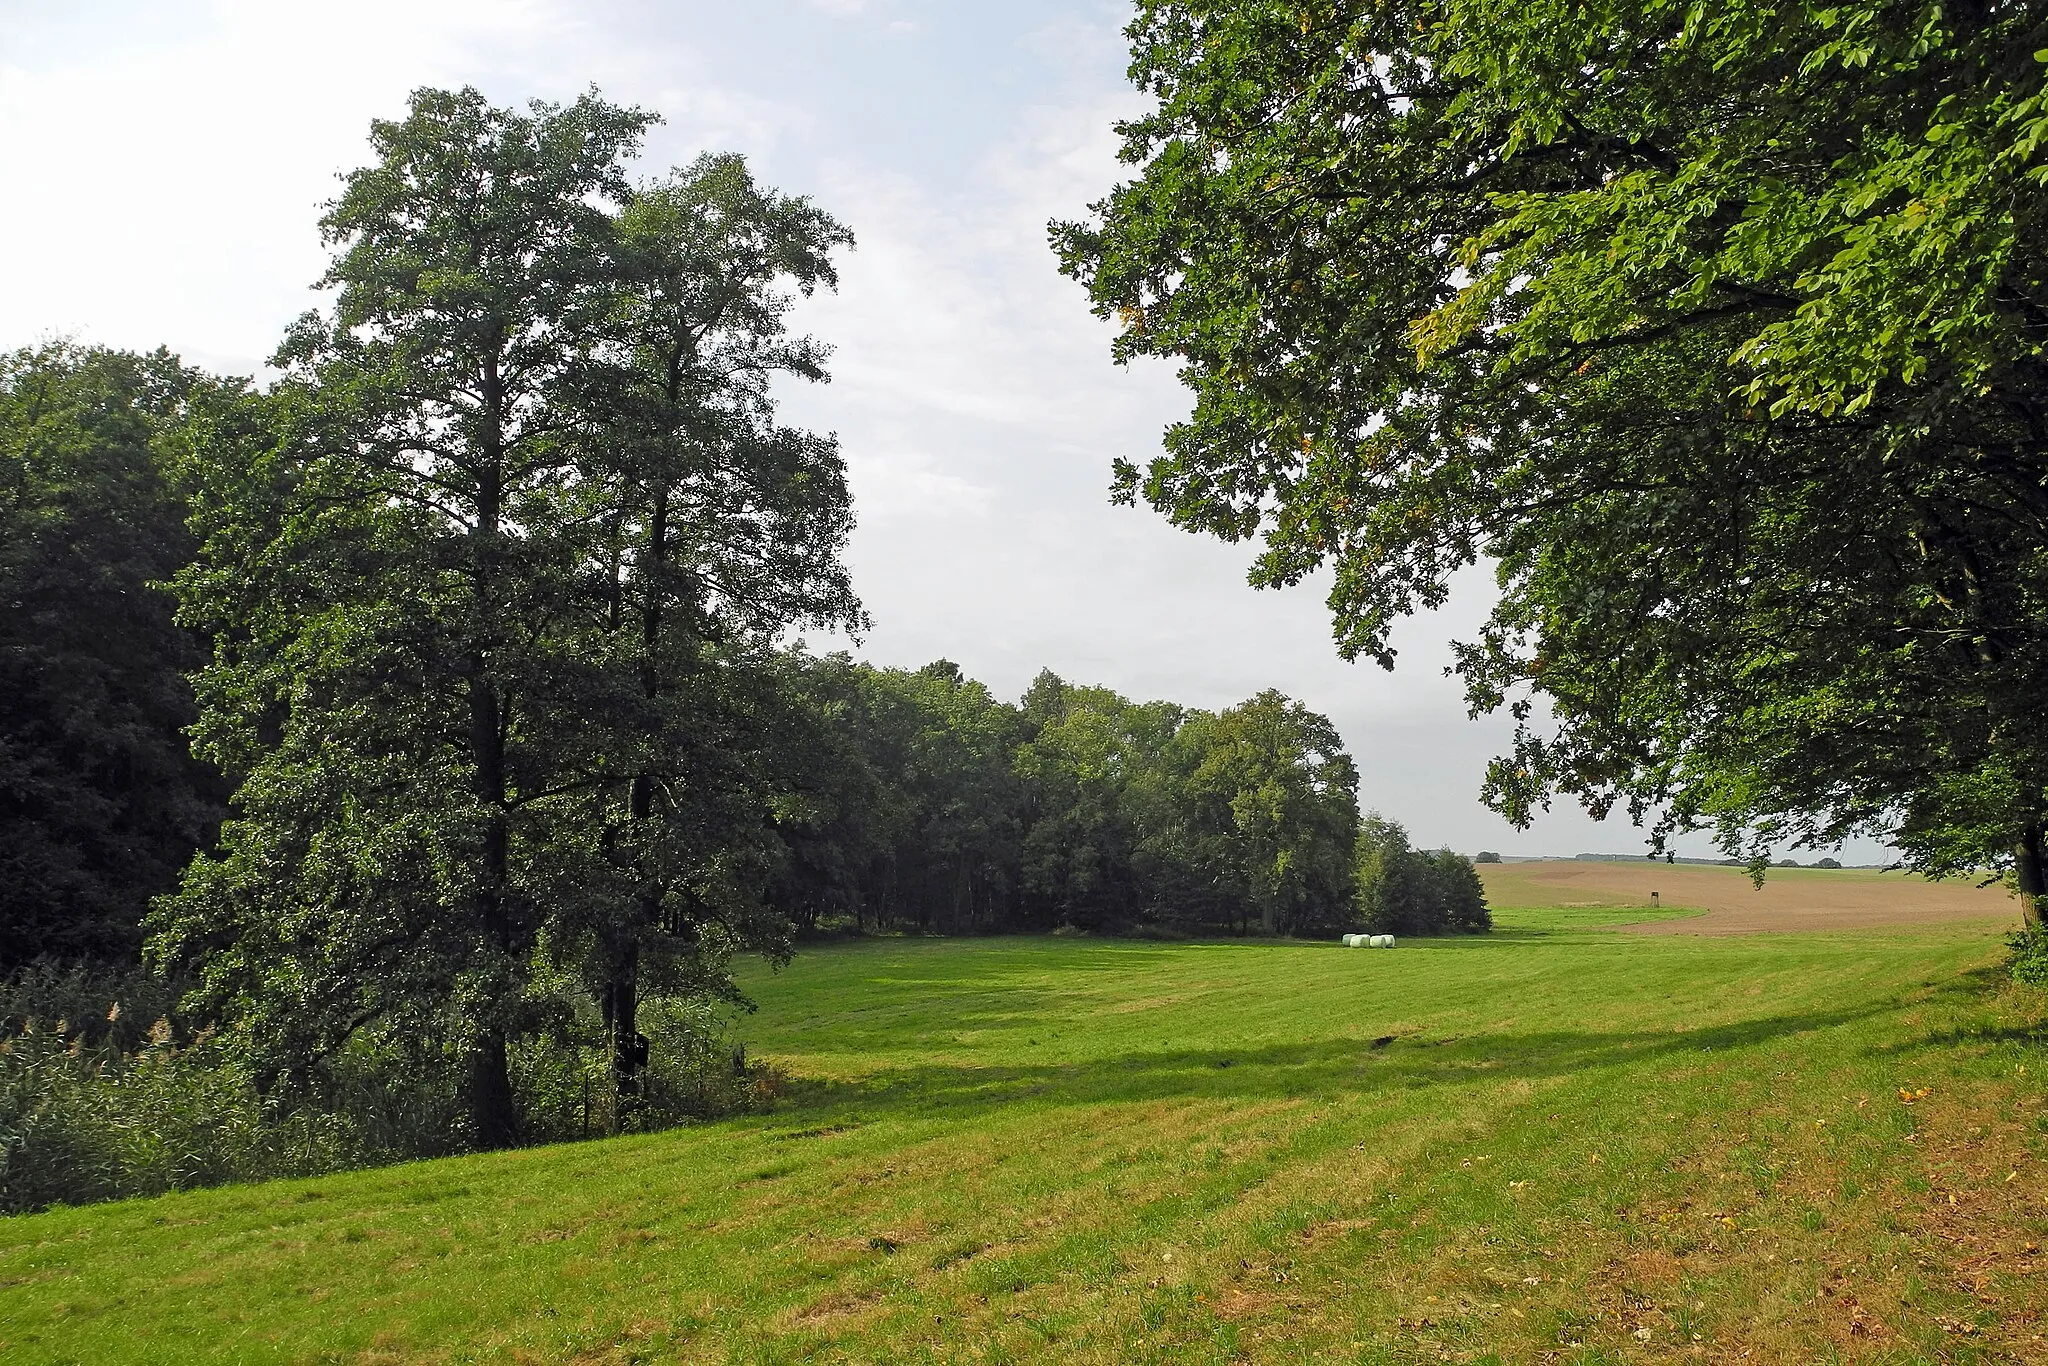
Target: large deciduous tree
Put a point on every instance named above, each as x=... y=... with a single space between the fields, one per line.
x=1271 y=781
x=1720 y=329
x=492 y=572
x=725 y=529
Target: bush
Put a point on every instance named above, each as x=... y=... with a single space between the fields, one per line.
x=1827 y=863
x=107 y=1090
x=695 y=1071
x=99 y=1101
x=2029 y=961
x=81 y=1123
x=1486 y=856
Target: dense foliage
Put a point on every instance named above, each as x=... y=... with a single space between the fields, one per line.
x=108 y=1089
x=933 y=805
x=1720 y=329
x=101 y=802
x=1406 y=891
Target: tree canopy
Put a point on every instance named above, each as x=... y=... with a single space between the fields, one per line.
x=929 y=803
x=101 y=801
x=494 y=574
x=1720 y=330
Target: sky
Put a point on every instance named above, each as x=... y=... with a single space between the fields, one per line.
x=168 y=159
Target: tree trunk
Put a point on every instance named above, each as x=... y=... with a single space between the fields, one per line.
x=622 y=1031
x=490 y=1090
x=2033 y=877
x=490 y=1084
x=490 y=1093
x=622 y=988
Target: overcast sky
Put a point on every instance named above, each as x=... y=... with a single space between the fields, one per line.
x=166 y=160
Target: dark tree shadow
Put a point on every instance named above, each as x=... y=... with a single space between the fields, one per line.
x=1308 y=1068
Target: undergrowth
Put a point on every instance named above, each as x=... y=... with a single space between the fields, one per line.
x=107 y=1091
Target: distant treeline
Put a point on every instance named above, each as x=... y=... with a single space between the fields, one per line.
x=941 y=808
x=1824 y=863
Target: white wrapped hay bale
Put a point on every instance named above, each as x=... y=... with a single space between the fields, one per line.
x=1381 y=941
x=1352 y=941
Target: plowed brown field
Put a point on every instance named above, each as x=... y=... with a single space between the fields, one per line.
x=1791 y=899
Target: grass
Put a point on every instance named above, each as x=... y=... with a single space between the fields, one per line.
x=1553 y=1144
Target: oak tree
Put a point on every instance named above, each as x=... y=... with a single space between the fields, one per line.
x=1719 y=330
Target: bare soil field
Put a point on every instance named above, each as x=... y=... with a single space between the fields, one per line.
x=1791 y=899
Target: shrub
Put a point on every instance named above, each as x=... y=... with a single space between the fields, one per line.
x=81 y=1123
x=695 y=1071
x=1486 y=856
x=695 y=1068
x=2029 y=961
x=1827 y=863
x=99 y=1101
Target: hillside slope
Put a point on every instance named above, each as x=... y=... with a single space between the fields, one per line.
x=1019 y=1150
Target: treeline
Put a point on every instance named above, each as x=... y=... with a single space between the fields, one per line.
x=425 y=717
x=940 y=808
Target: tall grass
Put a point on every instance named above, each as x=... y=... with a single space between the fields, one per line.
x=106 y=1091
x=82 y=1122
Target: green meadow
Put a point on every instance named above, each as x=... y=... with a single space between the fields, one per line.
x=1556 y=1143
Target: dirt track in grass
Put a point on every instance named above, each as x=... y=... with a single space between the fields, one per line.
x=1792 y=900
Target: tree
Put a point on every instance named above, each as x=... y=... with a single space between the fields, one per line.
x=1721 y=332
x=1404 y=891
x=955 y=866
x=725 y=529
x=1460 y=893
x=101 y=801
x=845 y=809
x=1100 y=794
x=493 y=574
x=1271 y=778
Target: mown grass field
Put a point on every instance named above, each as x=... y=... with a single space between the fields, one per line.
x=1553 y=1144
